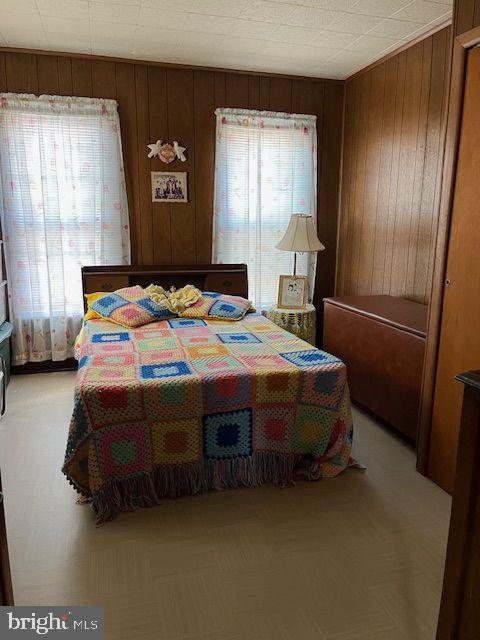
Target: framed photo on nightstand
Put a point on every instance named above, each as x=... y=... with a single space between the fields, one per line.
x=293 y=292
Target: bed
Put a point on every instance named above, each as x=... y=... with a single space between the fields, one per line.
x=183 y=406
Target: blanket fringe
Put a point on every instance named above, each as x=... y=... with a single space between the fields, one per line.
x=149 y=489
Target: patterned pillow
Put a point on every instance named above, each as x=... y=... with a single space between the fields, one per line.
x=130 y=307
x=91 y=297
x=218 y=305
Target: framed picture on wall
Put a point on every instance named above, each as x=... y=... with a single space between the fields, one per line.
x=292 y=292
x=169 y=187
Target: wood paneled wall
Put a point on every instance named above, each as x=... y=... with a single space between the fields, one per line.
x=392 y=161
x=175 y=103
x=466 y=15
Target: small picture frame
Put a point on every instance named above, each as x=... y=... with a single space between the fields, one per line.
x=293 y=292
x=168 y=186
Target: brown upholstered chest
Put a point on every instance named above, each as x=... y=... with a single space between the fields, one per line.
x=381 y=339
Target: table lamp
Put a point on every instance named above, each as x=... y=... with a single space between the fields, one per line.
x=300 y=237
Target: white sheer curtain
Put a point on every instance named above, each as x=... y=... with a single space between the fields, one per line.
x=265 y=170
x=63 y=204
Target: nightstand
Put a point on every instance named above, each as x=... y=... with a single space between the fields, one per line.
x=300 y=322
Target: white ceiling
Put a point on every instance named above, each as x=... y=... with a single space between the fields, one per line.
x=323 y=38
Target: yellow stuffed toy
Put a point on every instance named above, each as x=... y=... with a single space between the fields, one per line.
x=91 y=297
x=176 y=300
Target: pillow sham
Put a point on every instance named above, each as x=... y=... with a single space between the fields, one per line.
x=218 y=306
x=130 y=307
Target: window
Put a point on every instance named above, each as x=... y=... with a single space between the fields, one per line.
x=63 y=205
x=265 y=171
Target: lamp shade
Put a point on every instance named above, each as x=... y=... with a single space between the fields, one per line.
x=300 y=235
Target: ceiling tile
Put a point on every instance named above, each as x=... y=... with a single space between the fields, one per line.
x=395 y=28
x=227 y=8
x=253 y=62
x=208 y=41
x=149 y=36
x=110 y=31
x=112 y=47
x=423 y=28
x=349 y=56
x=380 y=8
x=321 y=55
x=282 y=50
x=58 y=42
x=77 y=9
x=66 y=27
x=332 y=5
x=371 y=43
x=191 y=51
x=123 y=2
x=114 y=12
x=299 y=52
x=229 y=60
x=153 y=51
x=253 y=29
x=333 y=39
x=208 y=24
x=350 y=23
x=310 y=17
x=244 y=45
x=30 y=41
x=167 y=5
x=287 y=33
x=205 y=58
x=422 y=11
x=334 y=69
x=10 y=21
x=275 y=12
x=149 y=17
x=18 y=6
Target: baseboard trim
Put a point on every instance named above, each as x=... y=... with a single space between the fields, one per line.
x=48 y=366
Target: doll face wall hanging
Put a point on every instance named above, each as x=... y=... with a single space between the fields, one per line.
x=167 y=153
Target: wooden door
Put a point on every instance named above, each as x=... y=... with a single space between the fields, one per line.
x=459 y=617
x=459 y=348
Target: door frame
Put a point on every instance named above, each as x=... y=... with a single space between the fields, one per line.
x=461 y=46
x=6 y=591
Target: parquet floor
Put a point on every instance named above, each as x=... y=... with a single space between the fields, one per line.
x=359 y=557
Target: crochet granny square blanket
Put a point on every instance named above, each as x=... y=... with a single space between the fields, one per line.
x=183 y=406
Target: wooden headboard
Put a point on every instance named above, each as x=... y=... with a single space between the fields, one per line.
x=224 y=278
